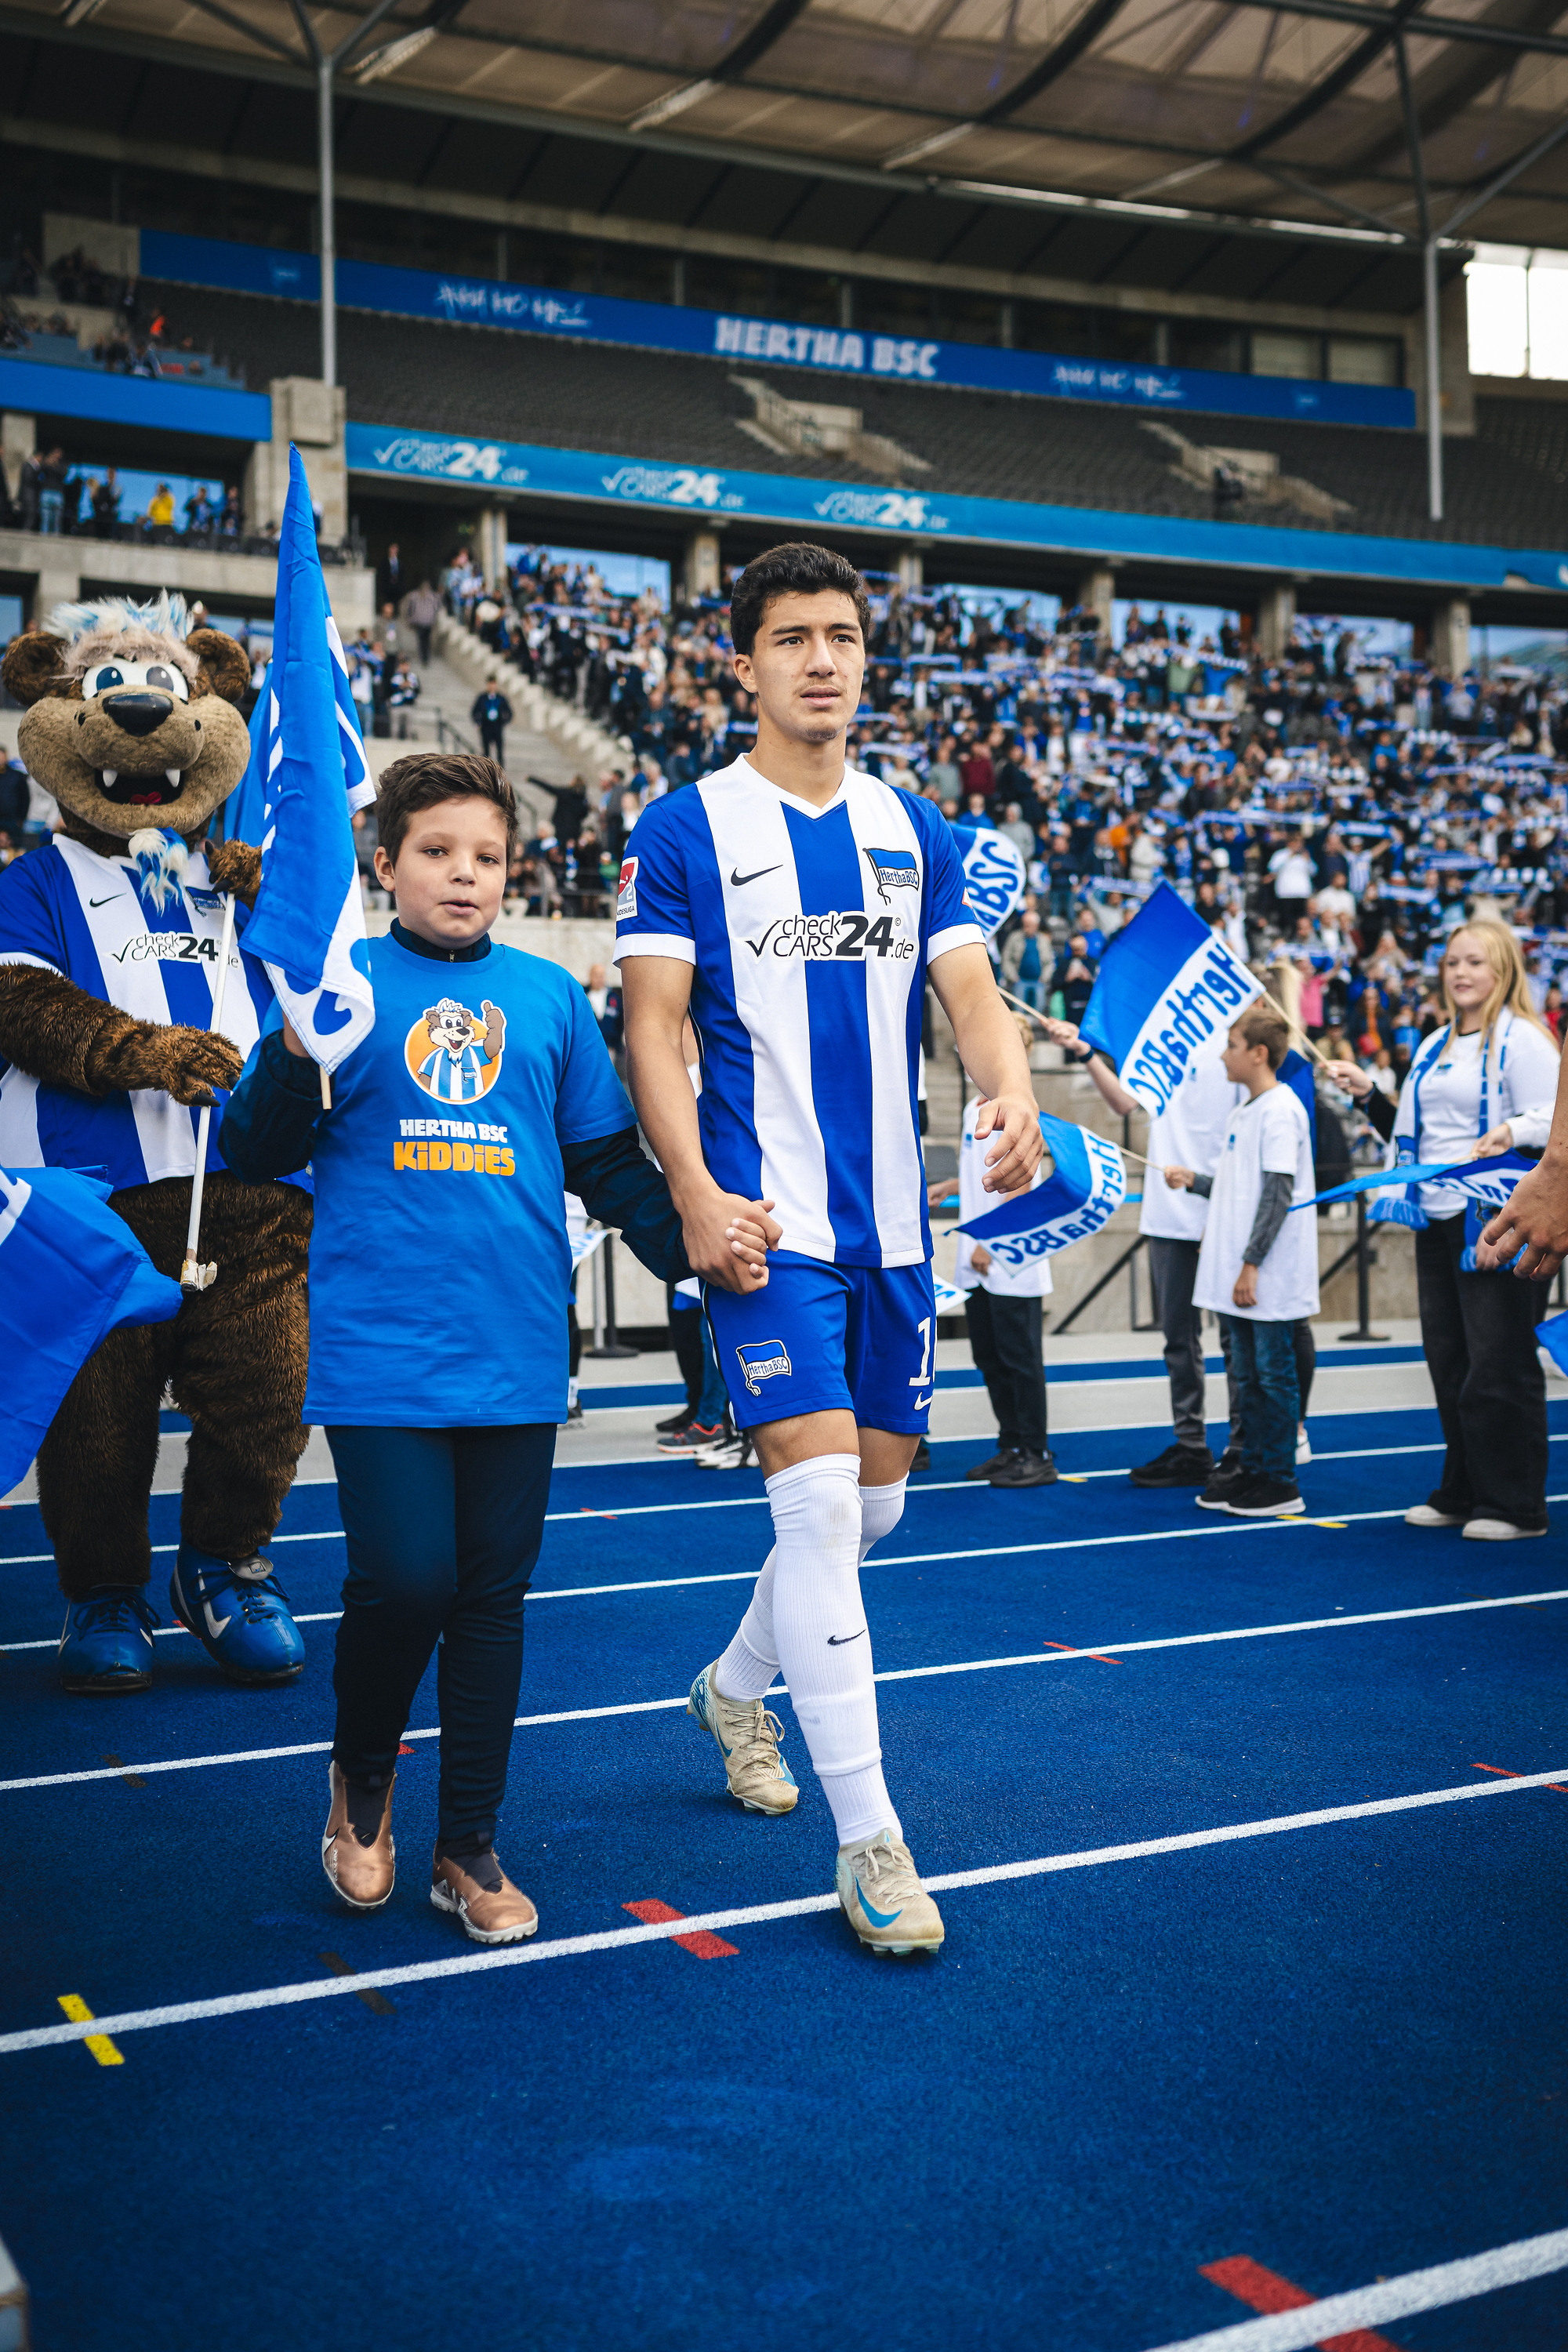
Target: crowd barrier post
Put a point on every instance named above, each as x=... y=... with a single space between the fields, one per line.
x=1365 y=1259
x=610 y=1345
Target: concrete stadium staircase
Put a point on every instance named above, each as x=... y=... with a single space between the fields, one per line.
x=553 y=739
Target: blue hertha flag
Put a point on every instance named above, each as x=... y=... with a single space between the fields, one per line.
x=1088 y=1184
x=1552 y=1335
x=1490 y=1182
x=70 y=1273
x=994 y=875
x=1167 y=984
x=309 y=924
x=244 y=814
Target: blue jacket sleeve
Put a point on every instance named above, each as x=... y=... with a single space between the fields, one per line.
x=269 y=1126
x=618 y=1185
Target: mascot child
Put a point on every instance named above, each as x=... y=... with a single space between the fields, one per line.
x=109 y=938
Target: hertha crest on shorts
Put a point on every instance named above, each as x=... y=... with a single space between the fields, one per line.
x=762 y=1359
x=894 y=869
x=455 y=1055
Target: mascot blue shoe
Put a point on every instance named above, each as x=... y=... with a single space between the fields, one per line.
x=106 y=1645
x=238 y=1615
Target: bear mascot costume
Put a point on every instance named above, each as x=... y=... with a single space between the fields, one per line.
x=109 y=939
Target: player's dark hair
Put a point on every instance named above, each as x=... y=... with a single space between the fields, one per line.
x=796 y=569
x=425 y=779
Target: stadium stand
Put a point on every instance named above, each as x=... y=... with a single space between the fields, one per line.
x=1401 y=800
x=1508 y=484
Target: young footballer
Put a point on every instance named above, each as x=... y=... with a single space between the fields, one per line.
x=440 y=1265
x=795 y=906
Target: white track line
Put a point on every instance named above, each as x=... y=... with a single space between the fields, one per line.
x=1083 y=1651
x=756 y=1502
x=1397 y=2298
x=191 y=2013
x=1218 y=1527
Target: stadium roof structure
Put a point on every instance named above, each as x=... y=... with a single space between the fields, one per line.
x=1305 y=148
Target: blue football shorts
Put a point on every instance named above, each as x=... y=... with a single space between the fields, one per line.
x=827 y=1338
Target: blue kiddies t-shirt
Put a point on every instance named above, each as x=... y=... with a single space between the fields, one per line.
x=439 y=1260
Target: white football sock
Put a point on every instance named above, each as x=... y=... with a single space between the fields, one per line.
x=749 y=1665
x=749 y=1668
x=881 y=1508
x=822 y=1638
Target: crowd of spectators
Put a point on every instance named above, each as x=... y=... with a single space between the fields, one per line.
x=1339 y=811
x=62 y=499
x=129 y=336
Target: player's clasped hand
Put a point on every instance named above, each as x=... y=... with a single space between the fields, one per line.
x=1013 y=1121
x=727 y=1240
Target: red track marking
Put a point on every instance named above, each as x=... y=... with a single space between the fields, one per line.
x=1504 y=1774
x=403 y=1748
x=1263 y=2290
x=707 y=1947
x=1083 y=1653
x=587 y=1514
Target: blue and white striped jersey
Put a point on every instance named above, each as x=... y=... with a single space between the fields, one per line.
x=458 y=1076
x=810 y=931
x=68 y=910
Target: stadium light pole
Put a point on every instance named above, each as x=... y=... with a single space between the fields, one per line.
x=1429 y=319
x=326 y=63
x=329 y=227
x=1433 y=379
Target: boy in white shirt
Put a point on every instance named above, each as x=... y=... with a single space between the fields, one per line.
x=1257 y=1269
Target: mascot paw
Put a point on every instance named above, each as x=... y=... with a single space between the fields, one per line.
x=235 y=866
x=191 y=1061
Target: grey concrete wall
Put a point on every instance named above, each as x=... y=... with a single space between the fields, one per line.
x=58 y=567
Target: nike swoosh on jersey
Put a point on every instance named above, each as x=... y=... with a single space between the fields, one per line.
x=738 y=881
x=103 y=902
x=920 y=1404
x=839 y=1641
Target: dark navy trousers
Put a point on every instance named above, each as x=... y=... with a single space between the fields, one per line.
x=444 y=1527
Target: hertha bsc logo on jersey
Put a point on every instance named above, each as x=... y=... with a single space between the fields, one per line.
x=762 y=1359
x=455 y=1055
x=894 y=869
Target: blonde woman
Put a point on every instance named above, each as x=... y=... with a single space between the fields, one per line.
x=1482 y=1083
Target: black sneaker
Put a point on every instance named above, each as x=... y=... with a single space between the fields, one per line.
x=693 y=1438
x=1179 y=1466
x=1026 y=1469
x=1230 y=1473
x=681 y=1420
x=1254 y=1497
x=993 y=1462
x=923 y=1458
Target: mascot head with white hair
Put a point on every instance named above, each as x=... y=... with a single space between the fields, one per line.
x=132 y=725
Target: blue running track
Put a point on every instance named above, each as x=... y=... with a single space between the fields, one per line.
x=1338 y=2050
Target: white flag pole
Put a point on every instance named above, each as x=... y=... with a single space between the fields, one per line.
x=194 y=1275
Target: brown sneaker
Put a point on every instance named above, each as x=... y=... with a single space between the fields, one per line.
x=477 y=1890
x=357 y=1852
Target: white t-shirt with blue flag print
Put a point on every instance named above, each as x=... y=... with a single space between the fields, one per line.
x=810 y=930
x=66 y=909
